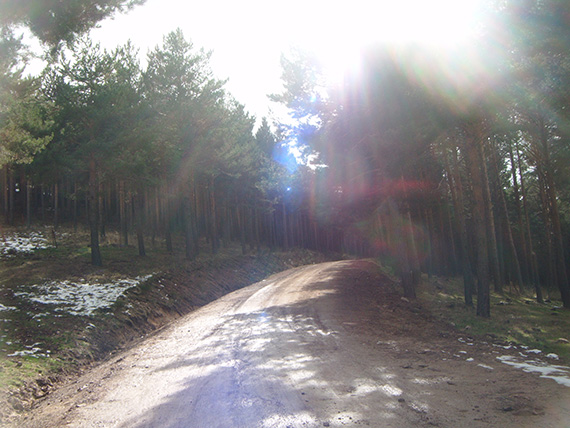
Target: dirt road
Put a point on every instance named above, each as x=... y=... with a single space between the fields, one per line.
x=325 y=345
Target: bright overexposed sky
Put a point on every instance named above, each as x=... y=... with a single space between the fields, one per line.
x=247 y=37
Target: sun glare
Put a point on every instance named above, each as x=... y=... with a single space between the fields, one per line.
x=248 y=37
x=342 y=30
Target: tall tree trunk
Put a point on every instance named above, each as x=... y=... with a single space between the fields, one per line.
x=102 y=210
x=140 y=220
x=285 y=230
x=457 y=198
x=124 y=232
x=497 y=274
x=241 y=227
x=552 y=202
x=28 y=202
x=94 y=214
x=474 y=160
x=551 y=262
x=190 y=251
x=75 y=205
x=213 y=218
x=562 y=276
x=56 y=205
x=11 y=196
x=511 y=241
x=532 y=255
x=521 y=233
x=401 y=251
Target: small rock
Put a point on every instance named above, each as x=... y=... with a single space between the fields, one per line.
x=401 y=400
x=562 y=340
x=508 y=409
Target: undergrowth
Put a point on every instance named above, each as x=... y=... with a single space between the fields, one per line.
x=515 y=317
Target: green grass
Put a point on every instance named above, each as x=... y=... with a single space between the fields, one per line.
x=15 y=372
x=514 y=318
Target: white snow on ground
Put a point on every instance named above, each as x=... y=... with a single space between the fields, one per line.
x=21 y=243
x=528 y=361
x=31 y=351
x=561 y=374
x=79 y=298
x=6 y=308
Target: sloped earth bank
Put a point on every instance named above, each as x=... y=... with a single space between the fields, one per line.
x=327 y=345
x=138 y=311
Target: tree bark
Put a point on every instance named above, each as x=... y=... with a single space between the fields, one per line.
x=140 y=221
x=497 y=274
x=28 y=202
x=521 y=233
x=512 y=246
x=532 y=255
x=94 y=213
x=474 y=159
x=124 y=233
x=456 y=188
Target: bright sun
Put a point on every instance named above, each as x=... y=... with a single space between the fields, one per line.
x=248 y=36
x=343 y=29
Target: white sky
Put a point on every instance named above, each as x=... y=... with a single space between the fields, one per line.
x=248 y=36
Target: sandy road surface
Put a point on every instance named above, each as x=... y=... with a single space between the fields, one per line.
x=322 y=345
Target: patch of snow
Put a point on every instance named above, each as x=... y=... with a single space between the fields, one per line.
x=485 y=366
x=80 y=298
x=469 y=359
x=553 y=356
x=534 y=351
x=6 y=308
x=22 y=243
x=560 y=374
x=504 y=346
x=31 y=351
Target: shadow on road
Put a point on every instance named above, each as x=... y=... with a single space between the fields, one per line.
x=296 y=364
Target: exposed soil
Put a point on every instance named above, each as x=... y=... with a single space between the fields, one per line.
x=332 y=344
x=77 y=343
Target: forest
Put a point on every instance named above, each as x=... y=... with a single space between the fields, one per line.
x=452 y=164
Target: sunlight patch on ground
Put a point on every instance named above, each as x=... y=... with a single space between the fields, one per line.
x=391 y=390
x=420 y=407
x=255 y=345
x=79 y=298
x=301 y=375
x=285 y=421
x=424 y=381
